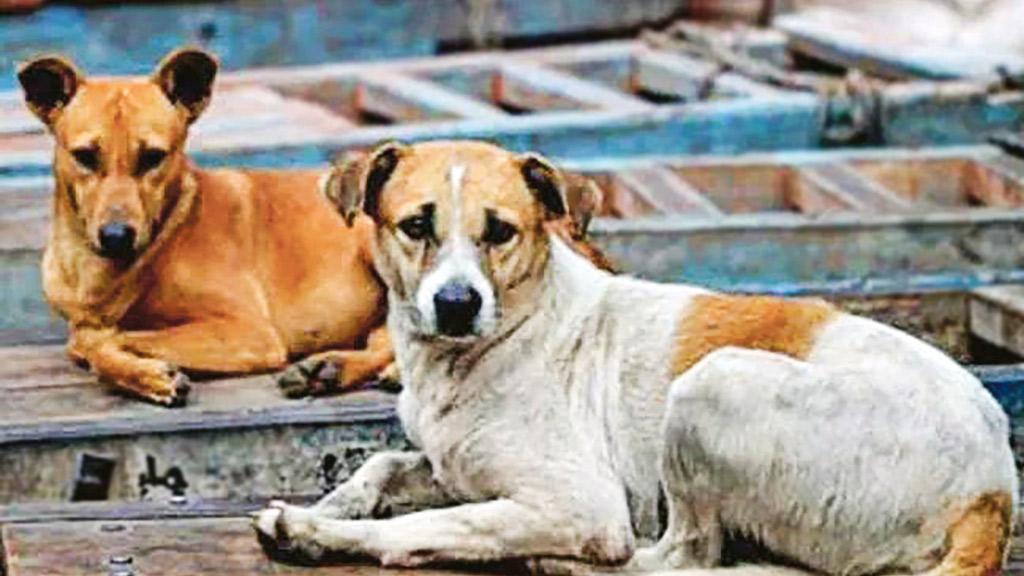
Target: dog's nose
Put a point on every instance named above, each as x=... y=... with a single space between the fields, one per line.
x=117 y=240
x=456 y=305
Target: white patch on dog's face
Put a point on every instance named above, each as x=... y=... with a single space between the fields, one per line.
x=457 y=262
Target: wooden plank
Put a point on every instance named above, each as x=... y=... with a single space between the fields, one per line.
x=936 y=114
x=667 y=193
x=165 y=509
x=787 y=252
x=77 y=407
x=674 y=75
x=210 y=547
x=703 y=128
x=531 y=86
x=847 y=188
x=404 y=98
x=53 y=414
x=997 y=316
x=996 y=182
x=691 y=79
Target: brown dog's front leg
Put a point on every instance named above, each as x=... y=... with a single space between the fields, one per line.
x=222 y=346
x=149 y=363
x=339 y=370
x=149 y=378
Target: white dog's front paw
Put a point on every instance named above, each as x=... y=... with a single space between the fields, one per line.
x=286 y=530
x=648 y=559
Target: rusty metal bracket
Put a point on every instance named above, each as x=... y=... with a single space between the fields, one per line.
x=93 y=474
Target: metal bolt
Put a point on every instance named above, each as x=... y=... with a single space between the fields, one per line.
x=120 y=566
x=179 y=500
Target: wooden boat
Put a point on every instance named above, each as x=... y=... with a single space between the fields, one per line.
x=128 y=37
x=606 y=99
x=844 y=220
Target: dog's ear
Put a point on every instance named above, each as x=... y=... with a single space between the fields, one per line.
x=49 y=83
x=561 y=194
x=356 y=181
x=186 y=78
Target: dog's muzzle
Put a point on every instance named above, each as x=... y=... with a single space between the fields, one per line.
x=456 y=306
x=117 y=241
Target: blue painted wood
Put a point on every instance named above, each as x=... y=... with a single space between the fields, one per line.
x=130 y=38
x=929 y=114
x=703 y=128
x=1006 y=384
x=572 y=115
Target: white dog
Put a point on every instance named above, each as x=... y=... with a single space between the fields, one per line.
x=553 y=404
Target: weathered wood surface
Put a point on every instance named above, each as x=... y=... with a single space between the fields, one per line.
x=560 y=112
x=860 y=220
x=125 y=39
x=237 y=437
x=208 y=547
x=856 y=109
x=609 y=99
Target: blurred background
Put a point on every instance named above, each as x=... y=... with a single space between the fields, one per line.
x=127 y=37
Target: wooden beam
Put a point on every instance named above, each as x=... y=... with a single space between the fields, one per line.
x=996 y=181
x=176 y=547
x=212 y=546
x=666 y=193
x=824 y=187
x=997 y=316
x=688 y=79
x=790 y=253
x=54 y=411
x=538 y=87
x=915 y=114
x=407 y=99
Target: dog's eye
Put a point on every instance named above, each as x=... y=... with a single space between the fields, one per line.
x=416 y=227
x=88 y=158
x=498 y=231
x=149 y=159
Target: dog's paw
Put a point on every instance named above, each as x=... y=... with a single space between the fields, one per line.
x=286 y=532
x=662 y=558
x=389 y=379
x=170 y=388
x=309 y=377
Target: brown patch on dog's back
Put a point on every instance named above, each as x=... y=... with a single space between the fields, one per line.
x=777 y=325
x=978 y=538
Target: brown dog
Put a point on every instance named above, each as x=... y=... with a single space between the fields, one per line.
x=161 y=267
